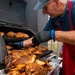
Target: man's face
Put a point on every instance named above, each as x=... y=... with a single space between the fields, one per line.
x=51 y=9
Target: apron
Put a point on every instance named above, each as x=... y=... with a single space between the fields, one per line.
x=69 y=51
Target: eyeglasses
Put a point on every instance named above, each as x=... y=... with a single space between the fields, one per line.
x=49 y=1
x=47 y=4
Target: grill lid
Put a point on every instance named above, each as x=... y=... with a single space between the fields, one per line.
x=13 y=11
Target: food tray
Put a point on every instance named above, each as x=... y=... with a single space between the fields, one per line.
x=54 y=66
x=8 y=28
x=2 y=72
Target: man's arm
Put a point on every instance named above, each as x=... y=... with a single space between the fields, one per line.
x=62 y=36
x=44 y=36
x=40 y=37
x=65 y=36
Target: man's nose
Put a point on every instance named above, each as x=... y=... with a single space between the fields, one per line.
x=44 y=11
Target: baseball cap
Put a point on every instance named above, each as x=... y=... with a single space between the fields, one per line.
x=40 y=4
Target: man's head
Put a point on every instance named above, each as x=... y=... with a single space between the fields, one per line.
x=53 y=8
x=41 y=4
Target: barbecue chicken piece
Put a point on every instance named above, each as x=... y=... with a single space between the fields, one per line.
x=9 y=47
x=2 y=33
x=36 y=50
x=36 y=69
x=25 y=62
x=12 y=61
x=25 y=59
x=11 y=34
x=14 y=73
x=14 y=56
x=30 y=50
x=40 y=62
x=18 y=53
x=45 y=64
x=24 y=73
x=9 y=63
x=21 y=35
x=40 y=49
x=26 y=51
x=19 y=67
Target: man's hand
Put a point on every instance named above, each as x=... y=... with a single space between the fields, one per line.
x=43 y=36
x=27 y=42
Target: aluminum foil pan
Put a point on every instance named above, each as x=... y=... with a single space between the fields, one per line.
x=2 y=72
x=54 y=66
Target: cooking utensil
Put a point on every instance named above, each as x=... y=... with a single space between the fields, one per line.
x=47 y=52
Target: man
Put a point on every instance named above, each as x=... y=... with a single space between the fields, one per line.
x=61 y=27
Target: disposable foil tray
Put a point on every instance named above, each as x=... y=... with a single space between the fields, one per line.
x=2 y=72
x=54 y=66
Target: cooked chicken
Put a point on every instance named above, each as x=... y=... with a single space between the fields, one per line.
x=41 y=48
x=36 y=50
x=24 y=62
x=26 y=59
x=24 y=73
x=2 y=33
x=36 y=69
x=9 y=47
x=40 y=62
x=13 y=73
x=11 y=34
x=19 y=53
x=21 y=35
x=30 y=50
x=19 y=67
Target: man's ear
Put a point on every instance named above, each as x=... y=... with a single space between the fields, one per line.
x=57 y=2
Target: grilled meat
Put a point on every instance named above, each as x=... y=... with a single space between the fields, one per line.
x=11 y=34
x=21 y=35
x=14 y=73
x=26 y=59
x=17 y=35
x=24 y=62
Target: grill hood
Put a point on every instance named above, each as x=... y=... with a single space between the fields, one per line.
x=13 y=11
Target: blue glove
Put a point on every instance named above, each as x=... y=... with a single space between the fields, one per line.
x=43 y=36
x=16 y=45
